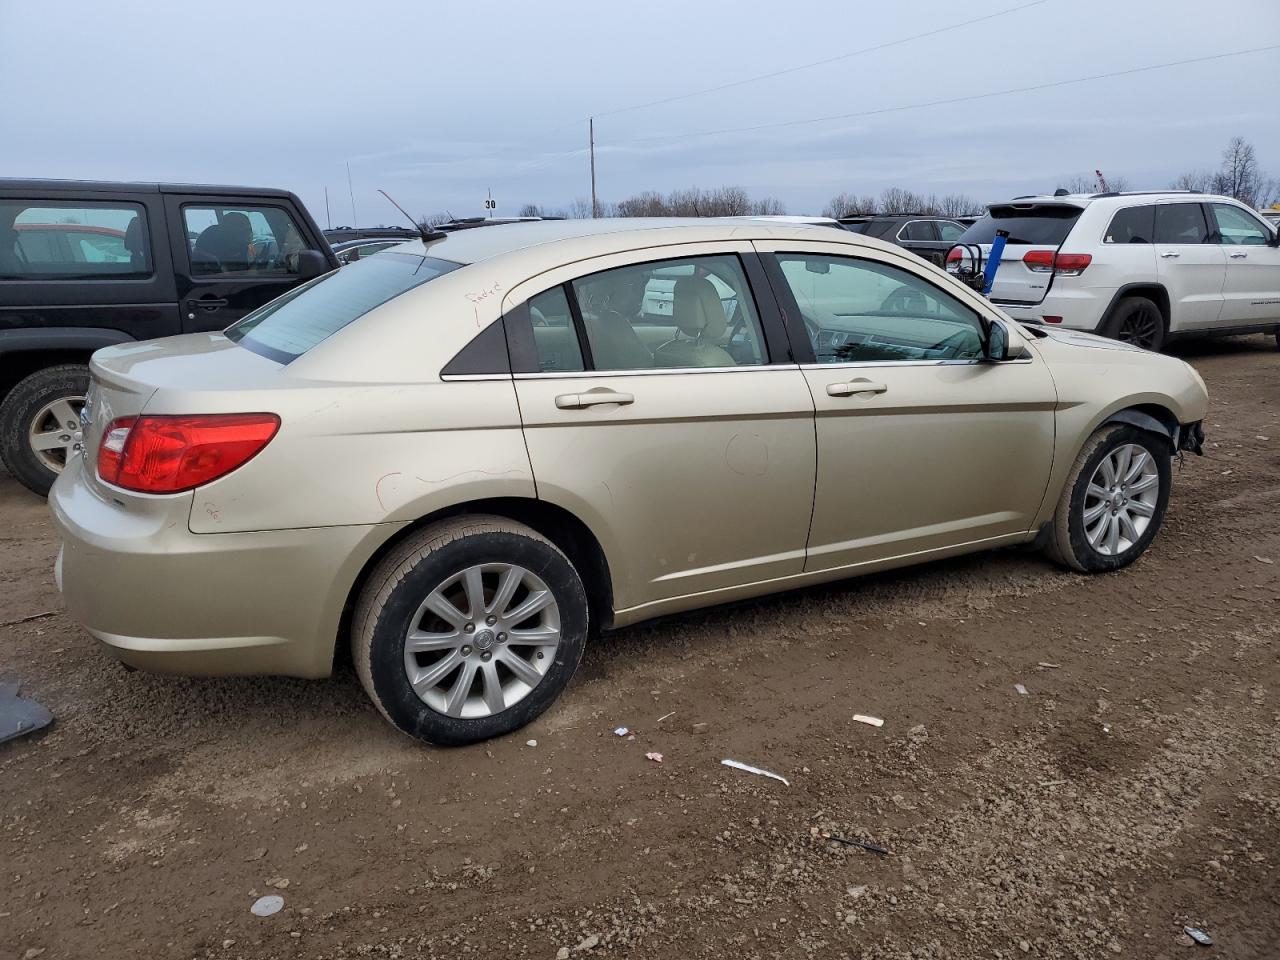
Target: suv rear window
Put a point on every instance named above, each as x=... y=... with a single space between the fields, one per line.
x=1038 y=224
x=290 y=325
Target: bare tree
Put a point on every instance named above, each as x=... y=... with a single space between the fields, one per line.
x=530 y=210
x=427 y=221
x=580 y=209
x=850 y=205
x=900 y=200
x=1240 y=177
x=958 y=205
x=696 y=202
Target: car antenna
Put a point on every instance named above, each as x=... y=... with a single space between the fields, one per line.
x=427 y=234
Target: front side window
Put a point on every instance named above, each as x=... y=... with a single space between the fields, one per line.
x=1236 y=227
x=52 y=240
x=949 y=230
x=1132 y=225
x=860 y=310
x=247 y=240
x=290 y=325
x=695 y=312
x=1181 y=223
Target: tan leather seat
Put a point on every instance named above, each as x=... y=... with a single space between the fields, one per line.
x=615 y=344
x=699 y=315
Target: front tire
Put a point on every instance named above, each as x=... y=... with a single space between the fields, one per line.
x=40 y=426
x=469 y=630
x=1138 y=321
x=1114 y=500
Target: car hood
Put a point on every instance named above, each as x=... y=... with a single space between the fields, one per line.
x=1080 y=338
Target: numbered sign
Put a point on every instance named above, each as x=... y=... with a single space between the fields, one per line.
x=490 y=204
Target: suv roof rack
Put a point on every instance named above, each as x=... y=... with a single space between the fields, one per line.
x=1136 y=193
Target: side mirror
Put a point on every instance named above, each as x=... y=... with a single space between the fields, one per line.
x=999 y=346
x=1275 y=238
x=311 y=263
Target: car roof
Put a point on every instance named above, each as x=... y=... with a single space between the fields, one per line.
x=1085 y=199
x=608 y=235
x=107 y=186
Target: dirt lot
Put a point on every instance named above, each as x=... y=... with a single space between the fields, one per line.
x=1135 y=788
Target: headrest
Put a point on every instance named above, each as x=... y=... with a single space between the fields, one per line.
x=696 y=309
x=238 y=226
x=133 y=236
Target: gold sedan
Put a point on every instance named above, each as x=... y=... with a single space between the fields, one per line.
x=467 y=455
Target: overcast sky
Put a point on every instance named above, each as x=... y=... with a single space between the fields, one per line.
x=439 y=102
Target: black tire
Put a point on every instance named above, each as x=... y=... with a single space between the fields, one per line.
x=1068 y=540
x=1138 y=321
x=20 y=407
x=405 y=578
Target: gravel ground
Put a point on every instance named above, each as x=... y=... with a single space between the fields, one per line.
x=1135 y=788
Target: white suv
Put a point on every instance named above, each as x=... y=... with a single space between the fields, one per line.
x=1137 y=267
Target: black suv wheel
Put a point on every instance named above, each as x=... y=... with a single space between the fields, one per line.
x=40 y=424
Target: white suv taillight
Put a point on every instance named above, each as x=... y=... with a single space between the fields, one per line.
x=1066 y=264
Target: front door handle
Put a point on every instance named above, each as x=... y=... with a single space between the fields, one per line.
x=1238 y=256
x=854 y=387
x=208 y=303
x=1169 y=253
x=579 y=401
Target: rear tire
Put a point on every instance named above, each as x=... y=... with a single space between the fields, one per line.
x=1091 y=506
x=442 y=667
x=31 y=408
x=1138 y=321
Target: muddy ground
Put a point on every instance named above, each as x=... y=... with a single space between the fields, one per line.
x=1135 y=788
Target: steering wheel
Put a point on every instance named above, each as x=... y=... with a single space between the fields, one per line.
x=904 y=300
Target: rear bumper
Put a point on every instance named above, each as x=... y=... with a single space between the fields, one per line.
x=169 y=601
x=1080 y=309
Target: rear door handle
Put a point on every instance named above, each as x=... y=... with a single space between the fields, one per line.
x=1238 y=256
x=854 y=387
x=1169 y=253
x=208 y=303
x=579 y=401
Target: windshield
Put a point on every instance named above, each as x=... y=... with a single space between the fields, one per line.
x=290 y=325
x=1041 y=225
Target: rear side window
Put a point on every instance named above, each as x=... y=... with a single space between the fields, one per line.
x=919 y=230
x=74 y=240
x=1181 y=223
x=949 y=231
x=1132 y=225
x=290 y=325
x=1029 y=224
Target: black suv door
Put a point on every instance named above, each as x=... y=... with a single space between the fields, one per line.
x=233 y=254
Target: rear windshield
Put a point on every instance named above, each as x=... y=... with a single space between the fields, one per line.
x=1046 y=225
x=290 y=325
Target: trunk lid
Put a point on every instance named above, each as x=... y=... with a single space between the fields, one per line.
x=1038 y=225
x=125 y=379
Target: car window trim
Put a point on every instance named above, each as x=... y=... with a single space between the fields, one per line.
x=791 y=310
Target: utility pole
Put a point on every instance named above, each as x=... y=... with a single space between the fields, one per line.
x=595 y=204
x=354 y=222
x=328 y=221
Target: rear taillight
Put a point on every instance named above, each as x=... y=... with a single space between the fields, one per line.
x=162 y=454
x=1046 y=261
x=955 y=255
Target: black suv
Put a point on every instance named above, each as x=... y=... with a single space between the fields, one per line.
x=85 y=265
x=925 y=236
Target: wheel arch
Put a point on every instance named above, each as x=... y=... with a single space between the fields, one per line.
x=24 y=351
x=1146 y=416
x=569 y=533
x=1150 y=290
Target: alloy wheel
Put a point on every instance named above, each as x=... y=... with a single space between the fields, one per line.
x=482 y=640
x=56 y=433
x=1121 y=499
x=1140 y=328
